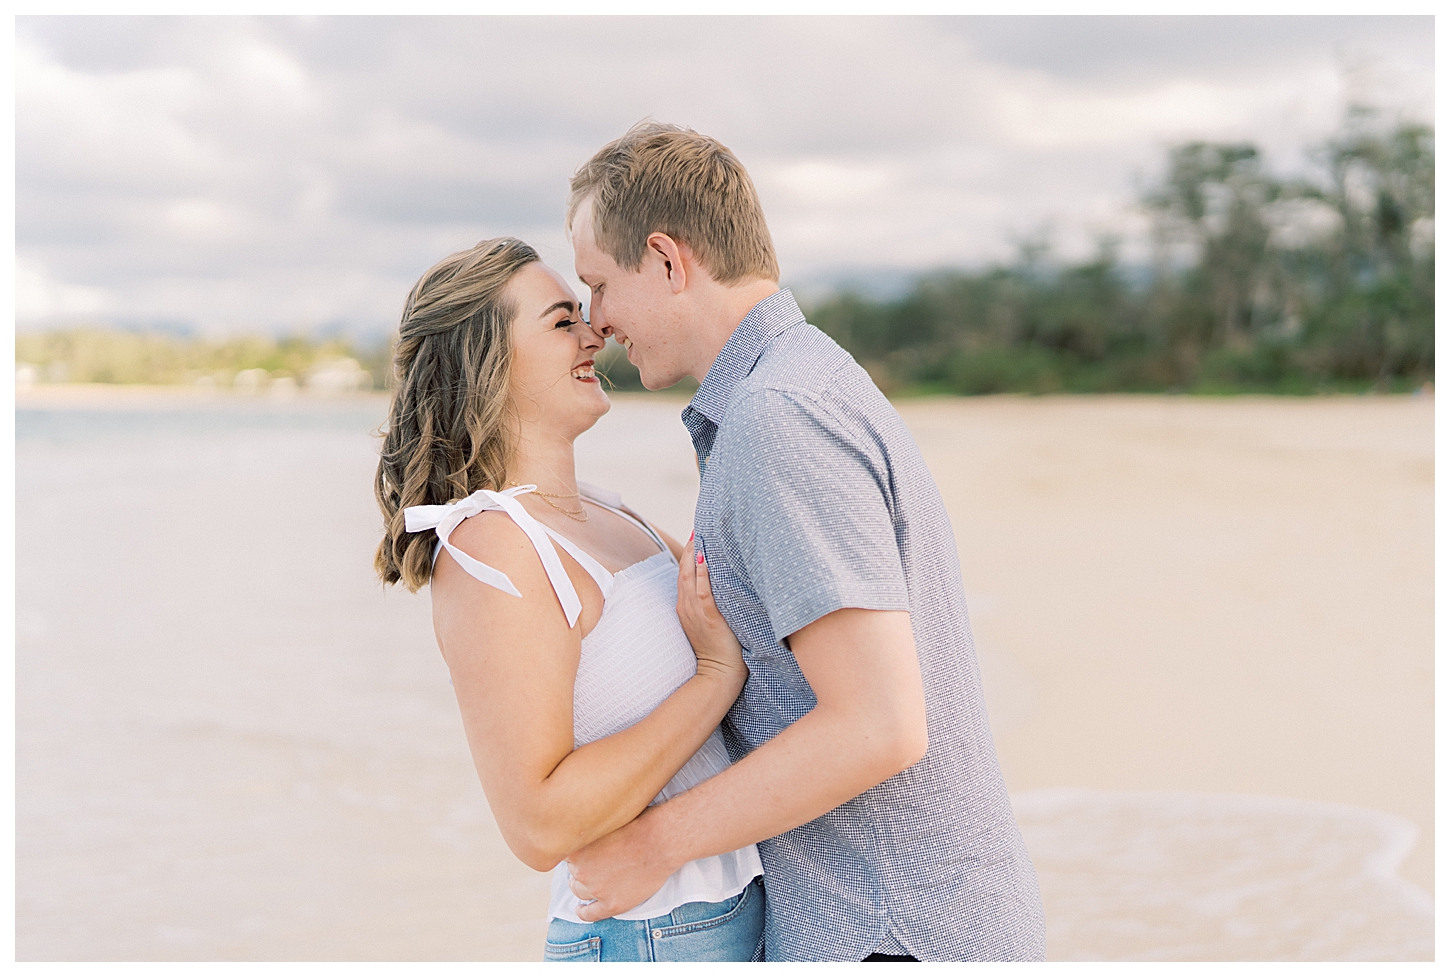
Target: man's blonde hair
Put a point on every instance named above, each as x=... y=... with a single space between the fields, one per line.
x=660 y=177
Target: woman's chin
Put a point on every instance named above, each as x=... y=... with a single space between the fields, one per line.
x=592 y=408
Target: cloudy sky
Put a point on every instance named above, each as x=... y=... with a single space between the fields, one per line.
x=236 y=174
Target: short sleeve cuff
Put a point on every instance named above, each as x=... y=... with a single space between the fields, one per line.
x=810 y=605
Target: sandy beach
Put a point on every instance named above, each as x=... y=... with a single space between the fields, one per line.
x=1226 y=598
x=1205 y=629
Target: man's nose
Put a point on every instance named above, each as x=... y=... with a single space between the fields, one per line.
x=598 y=323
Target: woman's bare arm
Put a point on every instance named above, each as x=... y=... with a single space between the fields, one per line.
x=513 y=663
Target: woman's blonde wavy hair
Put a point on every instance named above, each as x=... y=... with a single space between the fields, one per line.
x=450 y=430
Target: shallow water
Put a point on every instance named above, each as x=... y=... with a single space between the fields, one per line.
x=233 y=744
x=1174 y=876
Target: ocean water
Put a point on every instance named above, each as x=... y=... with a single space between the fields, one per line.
x=233 y=744
x=1177 y=876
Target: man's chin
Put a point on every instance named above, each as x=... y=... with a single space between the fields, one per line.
x=655 y=381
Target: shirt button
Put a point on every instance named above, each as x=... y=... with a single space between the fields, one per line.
x=657 y=934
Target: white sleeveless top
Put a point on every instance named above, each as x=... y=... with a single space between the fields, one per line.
x=633 y=659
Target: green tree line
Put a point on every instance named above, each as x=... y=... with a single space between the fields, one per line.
x=1257 y=283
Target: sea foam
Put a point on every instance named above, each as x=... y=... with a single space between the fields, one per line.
x=1181 y=876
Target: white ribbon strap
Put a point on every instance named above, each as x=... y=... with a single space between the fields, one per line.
x=591 y=566
x=443 y=519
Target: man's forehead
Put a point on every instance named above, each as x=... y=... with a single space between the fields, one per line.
x=588 y=258
x=581 y=234
x=585 y=262
x=581 y=222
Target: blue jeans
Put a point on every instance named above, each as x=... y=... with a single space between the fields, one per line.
x=728 y=930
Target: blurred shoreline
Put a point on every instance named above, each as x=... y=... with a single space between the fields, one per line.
x=124 y=394
x=120 y=394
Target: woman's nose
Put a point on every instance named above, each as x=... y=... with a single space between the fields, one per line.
x=588 y=338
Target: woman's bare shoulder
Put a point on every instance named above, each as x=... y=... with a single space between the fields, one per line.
x=495 y=539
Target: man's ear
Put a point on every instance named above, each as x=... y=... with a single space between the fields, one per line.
x=674 y=255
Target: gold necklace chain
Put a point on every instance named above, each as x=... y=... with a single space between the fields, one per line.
x=582 y=515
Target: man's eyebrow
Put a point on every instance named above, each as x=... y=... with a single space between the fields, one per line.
x=566 y=306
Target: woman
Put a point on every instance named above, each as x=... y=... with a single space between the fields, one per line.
x=568 y=623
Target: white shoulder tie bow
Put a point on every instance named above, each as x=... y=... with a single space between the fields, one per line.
x=443 y=519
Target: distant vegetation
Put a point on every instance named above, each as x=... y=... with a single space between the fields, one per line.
x=100 y=355
x=1257 y=283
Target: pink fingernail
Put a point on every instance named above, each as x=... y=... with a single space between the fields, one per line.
x=692 y=537
x=699 y=557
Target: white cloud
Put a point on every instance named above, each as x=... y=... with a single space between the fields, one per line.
x=266 y=77
x=289 y=172
x=39 y=297
x=825 y=182
x=125 y=132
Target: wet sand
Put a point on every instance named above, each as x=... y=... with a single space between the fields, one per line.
x=1205 y=628
x=1188 y=594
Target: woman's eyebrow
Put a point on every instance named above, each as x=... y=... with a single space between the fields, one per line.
x=566 y=306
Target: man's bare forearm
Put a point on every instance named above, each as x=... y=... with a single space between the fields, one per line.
x=817 y=764
x=604 y=784
x=868 y=724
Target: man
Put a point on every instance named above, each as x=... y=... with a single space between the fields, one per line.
x=864 y=767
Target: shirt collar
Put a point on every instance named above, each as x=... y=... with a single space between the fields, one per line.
x=769 y=318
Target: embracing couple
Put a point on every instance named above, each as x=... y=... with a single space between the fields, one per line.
x=768 y=742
